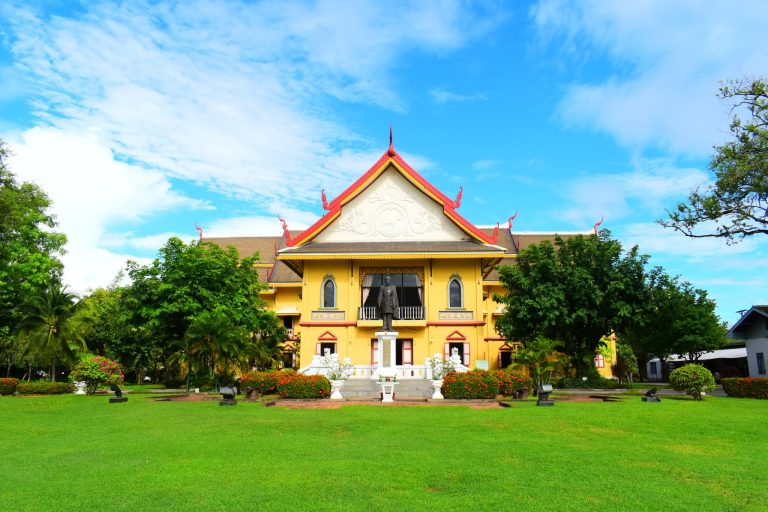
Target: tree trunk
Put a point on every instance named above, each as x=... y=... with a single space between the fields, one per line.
x=53 y=369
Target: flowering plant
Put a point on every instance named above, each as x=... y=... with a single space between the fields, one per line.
x=338 y=370
x=441 y=367
x=95 y=372
x=469 y=385
x=298 y=385
x=263 y=382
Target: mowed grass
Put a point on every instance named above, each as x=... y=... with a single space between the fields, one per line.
x=81 y=453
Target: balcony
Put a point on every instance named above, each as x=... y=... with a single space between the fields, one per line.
x=406 y=313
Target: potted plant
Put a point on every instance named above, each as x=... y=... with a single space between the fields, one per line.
x=338 y=372
x=440 y=368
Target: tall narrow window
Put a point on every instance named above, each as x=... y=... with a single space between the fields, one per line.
x=455 y=293
x=760 y=363
x=329 y=293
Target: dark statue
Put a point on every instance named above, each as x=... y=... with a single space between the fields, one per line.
x=118 y=392
x=652 y=395
x=388 y=305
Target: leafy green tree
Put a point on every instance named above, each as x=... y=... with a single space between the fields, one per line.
x=186 y=281
x=214 y=346
x=95 y=372
x=47 y=322
x=267 y=351
x=626 y=363
x=736 y=205
x=29 y=246
x=576 y=291
x=675 y=318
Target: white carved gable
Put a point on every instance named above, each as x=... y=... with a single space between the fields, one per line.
x=391 y=209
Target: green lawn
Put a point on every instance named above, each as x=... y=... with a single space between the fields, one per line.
x=81 y=453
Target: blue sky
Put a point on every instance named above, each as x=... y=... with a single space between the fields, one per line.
x=140 y=119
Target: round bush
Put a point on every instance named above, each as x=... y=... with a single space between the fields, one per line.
x=8 y=386
x=511 y=381
x=263 y=382
x=97 y=371
x=298 y=385
x=693 y=379
x=470 y=385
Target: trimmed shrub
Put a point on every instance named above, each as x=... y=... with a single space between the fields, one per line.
x=470 y=385
x=8 y=386
x=693 y=379
x=97 y=371
x=42 y=387
x=511 y=381
x=298 y=385
x=746 y=388
x=263 y=382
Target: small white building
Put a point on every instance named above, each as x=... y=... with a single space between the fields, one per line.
x=752 y=329
x=726 y=362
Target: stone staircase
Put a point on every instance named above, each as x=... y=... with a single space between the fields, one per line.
x=369 y=389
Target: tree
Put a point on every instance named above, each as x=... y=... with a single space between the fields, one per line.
x=540 y=358
x=674 y=318
x=29 y=248
x=626 y=363
x=47 y=321
x=186 y=281
x=736 y=205
x=694 y=379
x=576 y=291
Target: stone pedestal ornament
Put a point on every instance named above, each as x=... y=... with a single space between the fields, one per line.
x=80 y=388
x=437 y=393
x=543 y=399
x=336 y=389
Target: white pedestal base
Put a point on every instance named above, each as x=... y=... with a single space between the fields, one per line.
x=437 y=394
x=336 y=389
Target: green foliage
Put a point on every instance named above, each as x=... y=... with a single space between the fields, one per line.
x=626 y=363
x=29 y=248
x=576 y=290
x=736 y=205
x=42 y=387
x=47 y=323
x=298 y=385
x=511 y=380
x=675 y=319
x=263 y=382
x=693 y=379
x=540 y=359
x=745 y=388
x=187 y=283
x=475 y=384
x=95 y=372
x=594 y=382
x=8 y=386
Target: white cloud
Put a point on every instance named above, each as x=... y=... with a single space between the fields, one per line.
x=441 y=96
x=654 y=239
x=90 y=191
x=234 y=96
x=649 y=188
x=669 y=57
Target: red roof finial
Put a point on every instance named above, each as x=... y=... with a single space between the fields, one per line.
x=199 y=230
x=509 y=221
x=495 y=236
x=457 y=201
x=391 y=150
x=287 y=235
x=602 y=217
x=326 y=206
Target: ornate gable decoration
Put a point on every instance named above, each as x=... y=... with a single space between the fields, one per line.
x=390 y=202
x=391 y=209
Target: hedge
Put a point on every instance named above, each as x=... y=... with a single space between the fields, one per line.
x=298 y=385
x=470 y=385
x=746 y=388
x=263 y=382
x=8 y=386
x=511 y=381
x=44 y=388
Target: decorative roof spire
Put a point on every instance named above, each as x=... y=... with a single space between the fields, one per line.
x=509 y=221
x=287 y=235
x=391 y=150
x=199 y=230
x=457 y=201
x=602 y=217
x=326 y=206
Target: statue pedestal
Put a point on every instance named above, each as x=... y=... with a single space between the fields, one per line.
x=386 y=355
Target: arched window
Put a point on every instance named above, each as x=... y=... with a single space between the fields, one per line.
x=328 y=290
x=455 y=293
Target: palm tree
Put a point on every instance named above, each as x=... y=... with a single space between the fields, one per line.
x=46 y=321
x=541 y=358
x=267 y=351
x=214 y=343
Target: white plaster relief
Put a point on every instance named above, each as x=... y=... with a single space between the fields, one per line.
x=391 y=209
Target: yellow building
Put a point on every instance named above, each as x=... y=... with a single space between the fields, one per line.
x=324 y=282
